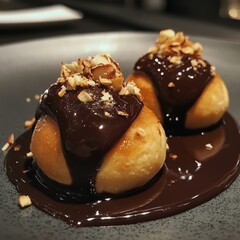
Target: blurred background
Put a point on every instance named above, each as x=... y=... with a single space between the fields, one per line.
x=225 y=12
x=212 y=18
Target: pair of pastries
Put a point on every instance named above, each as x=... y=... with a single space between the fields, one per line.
x=101 y=134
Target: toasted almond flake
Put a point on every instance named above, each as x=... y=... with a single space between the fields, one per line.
x=175 y=59
x=123 y=91
x=17 y=148
x=171 y=85
x=106 y=96
x=65 y=72
x=62 y=92
x=107 y=114
x=26 y=171
x=201 y=62
x=130 y=88
x=29 y=154
x=169 y=42
x=121 y=113
x=194 y=62
x=197 y=46
x=105 y=81
x=100 y=59
x=83 y=96
x=209 y=146
x=10 y=139
x=72 y=82
x=91 y=83
x=29 y=123
x=173 y=156
x=9 y=142
x=24 y=201
x=187 y=50
x=5 y=147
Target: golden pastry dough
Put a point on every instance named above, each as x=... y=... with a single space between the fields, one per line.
x=136 y=158
x=47 y=150
x=210 y=106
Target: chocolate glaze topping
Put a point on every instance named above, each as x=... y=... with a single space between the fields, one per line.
x=185 y=181
x=177 y=86
x=86 y=132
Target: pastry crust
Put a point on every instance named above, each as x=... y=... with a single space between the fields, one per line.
x=47 y=150
x=131 y=163
x=136 y=158
x=145 y=84
x=210 y=106
x=206 y=111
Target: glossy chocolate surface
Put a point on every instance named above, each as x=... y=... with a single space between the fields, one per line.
x=177 y=86
x=86 y=132
x=197 y=168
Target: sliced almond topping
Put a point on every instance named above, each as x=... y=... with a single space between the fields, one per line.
x=130 y=88
x=171 y=85
x=17 y=148
x=65 y=72
x=209 y=146
x=106 y=96
x=194 y=62
x=100 y=59
x=29 y=154
x=5 y=146
x=106 y=82
x=121 y=113
x=24 y=201
x=9 y=142
x=71 y=82
x=107 y=114
x=10 y=139
x=169 y=42
x=201 y=62
x=91 y=83
x=84 y=96
x=188 y=50
x=29 y=123
x=175 y=59
x=62 y=92
x=173 y=156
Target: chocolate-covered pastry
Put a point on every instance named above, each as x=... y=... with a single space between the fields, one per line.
x=181 y=87
x=93 y=134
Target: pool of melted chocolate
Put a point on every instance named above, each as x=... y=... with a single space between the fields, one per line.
x=197 y=168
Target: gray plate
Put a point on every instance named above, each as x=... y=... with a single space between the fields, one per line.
x=30 y=67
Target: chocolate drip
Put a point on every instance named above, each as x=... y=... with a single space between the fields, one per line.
x=178 y=86
x=86 y=132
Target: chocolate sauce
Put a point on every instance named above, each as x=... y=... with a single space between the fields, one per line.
x=197 y=168
x=86 y=132
x=177 y=86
